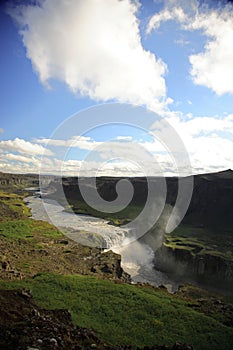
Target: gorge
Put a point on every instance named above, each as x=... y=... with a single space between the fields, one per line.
x=63 y=277
x=199 y=250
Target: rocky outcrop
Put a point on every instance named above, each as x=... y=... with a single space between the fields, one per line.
x=109 y=263
x=7 y=271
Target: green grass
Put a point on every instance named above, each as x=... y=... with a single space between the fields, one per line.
x=12 y=206
x=201 y=241
x=119 y=218
x=125 y=314
x=27 y=229
x=16 y=229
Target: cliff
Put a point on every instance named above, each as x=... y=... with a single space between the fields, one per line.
x=212 y=201
x=183 y=264
x=18 y=179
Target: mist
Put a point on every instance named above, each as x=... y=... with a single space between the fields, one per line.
x=134 y=256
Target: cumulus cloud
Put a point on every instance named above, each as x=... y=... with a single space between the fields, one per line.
x=24 y=147
x=118 y=167
x=212 y=67
x=175 y=13
x=81 y=142
x=18 y=168
x=19 y=158
x=206 y=141
x=94 y=47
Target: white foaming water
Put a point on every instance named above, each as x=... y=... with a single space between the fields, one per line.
x=54 y=213
x=138 y=261
x=137 y=258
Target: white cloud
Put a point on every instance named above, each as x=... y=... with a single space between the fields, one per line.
x=119 y=167
x=124 y=138
x=206 y=142
x=213 y=67
x=81 y=142
x=8 y=167
x=196 y=126
x=19 y=158
x=94 y=47
x=23 y=147
x=175 y=13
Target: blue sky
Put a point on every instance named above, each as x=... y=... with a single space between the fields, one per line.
x=170 y=58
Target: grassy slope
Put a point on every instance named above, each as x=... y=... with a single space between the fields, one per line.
x=12 y=206
x=125 y=314
x=30 y=246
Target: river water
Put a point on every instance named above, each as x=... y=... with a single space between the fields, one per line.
x=137 y=258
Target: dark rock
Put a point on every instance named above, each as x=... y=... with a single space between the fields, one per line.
x=25 y=293
x=179 y=346
x=64 y=241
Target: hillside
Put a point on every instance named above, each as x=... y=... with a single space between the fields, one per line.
x=43 y=272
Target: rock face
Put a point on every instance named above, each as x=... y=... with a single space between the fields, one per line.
x=18 y=179
x=30 y=180
x=205 y=268
x=110 y=263
x=106 y=187
x=7 y=271
x=212 y=201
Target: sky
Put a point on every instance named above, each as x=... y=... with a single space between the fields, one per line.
x=71 y=69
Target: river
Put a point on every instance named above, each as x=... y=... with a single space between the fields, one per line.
x=137 y=258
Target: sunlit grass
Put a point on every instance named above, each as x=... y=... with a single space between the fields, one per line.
x=125 y=314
